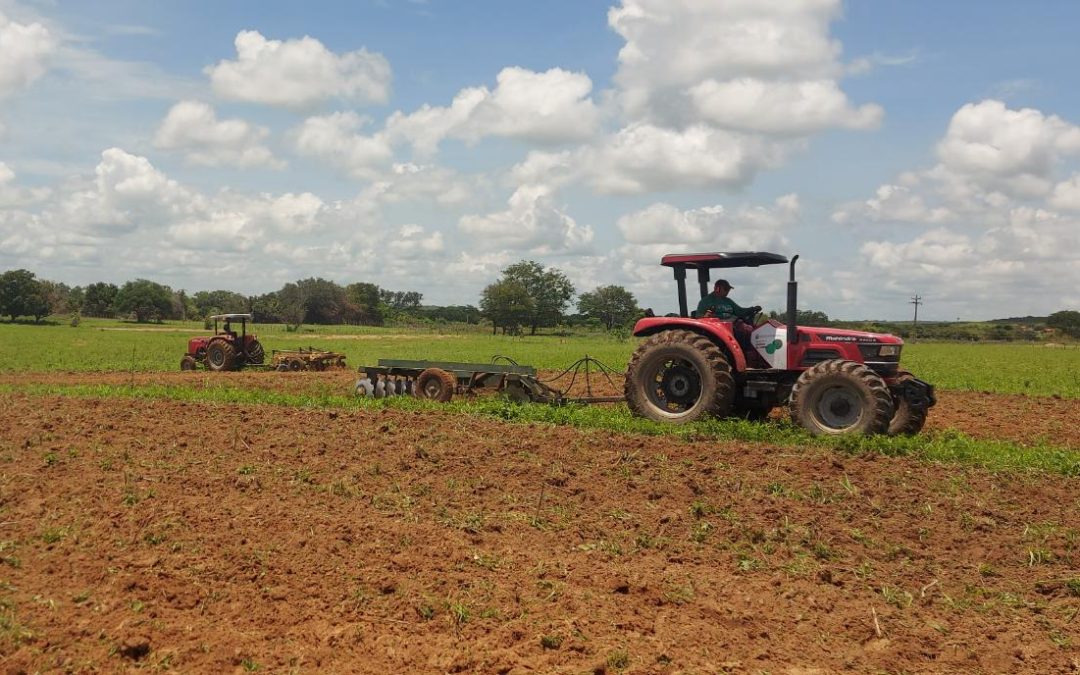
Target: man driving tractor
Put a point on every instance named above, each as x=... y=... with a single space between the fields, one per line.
x=717 y=305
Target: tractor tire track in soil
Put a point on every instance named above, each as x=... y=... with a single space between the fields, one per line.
x=208 y=537
x=1011 y=417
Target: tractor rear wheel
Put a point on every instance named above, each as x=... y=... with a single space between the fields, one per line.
x=188 y=363
x=435 y=384
x=220 y=355
x=255 y=353
x=679 y=376
x=908 y=419
x=841 y=397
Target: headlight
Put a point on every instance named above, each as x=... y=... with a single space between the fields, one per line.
x=889 y=350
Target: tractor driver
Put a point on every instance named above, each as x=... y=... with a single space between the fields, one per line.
x=717 y=305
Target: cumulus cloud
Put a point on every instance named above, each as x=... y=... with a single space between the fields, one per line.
x=1015 y=150
x=299 y=73
x=989 y=235
x=795 y=108
x=193 y=127
x=12 y=195
x=892 y=204
x=545 y=108
x=532 y=223
x=736 y=64
x=24 y=53
x=749 y=227
x=335 y=139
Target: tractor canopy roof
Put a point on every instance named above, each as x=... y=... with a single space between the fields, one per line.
x=231 y=317
x=713 y=260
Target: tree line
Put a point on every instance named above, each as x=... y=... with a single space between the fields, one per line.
x=526 y=296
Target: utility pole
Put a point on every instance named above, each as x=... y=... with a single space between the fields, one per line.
x=915 y=300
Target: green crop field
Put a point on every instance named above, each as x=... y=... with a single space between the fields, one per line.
x=106 y=345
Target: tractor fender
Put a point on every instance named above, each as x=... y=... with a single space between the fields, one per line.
x=716 y=330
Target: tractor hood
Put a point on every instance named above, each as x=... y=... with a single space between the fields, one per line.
x=839 y=335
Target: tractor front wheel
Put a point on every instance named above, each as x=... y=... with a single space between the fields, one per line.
x=908 y=419
x=188 y=363
x=841 y=397
x=679 y=376
x=435 y=384
x=220 y=355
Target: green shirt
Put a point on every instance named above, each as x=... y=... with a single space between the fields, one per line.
x=723 y=308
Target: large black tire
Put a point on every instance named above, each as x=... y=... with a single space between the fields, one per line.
x=220 y=355
x=435 y=384
x=908 y=420
x=679 y=376
x=188 y=363
x=841 y=397
x=255 y=353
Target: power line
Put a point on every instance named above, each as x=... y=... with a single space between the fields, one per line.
x=915 y=300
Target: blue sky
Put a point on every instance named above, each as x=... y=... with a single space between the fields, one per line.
x=900 y=148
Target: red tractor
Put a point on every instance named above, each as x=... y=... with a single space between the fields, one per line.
x=225 y=349
x=833 y=381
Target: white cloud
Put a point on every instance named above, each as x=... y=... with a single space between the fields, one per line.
x=531 y=223
x=193 y=127
x=892 y=203
x=689 y=55
x=334 y=139
x=12 y=195
x=24 y=53
x=545 y=108
x=645 y=158
x=1066 y=194
x=751 y=104
x=1016 y=150
x=749 y=227
x=299 y=73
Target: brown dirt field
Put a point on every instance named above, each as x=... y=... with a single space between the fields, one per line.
x=209 y=538
x=1018 y=418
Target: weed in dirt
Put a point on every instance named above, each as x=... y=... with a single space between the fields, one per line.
x=459 y=613
x=54 y=535
x=551 y=641
x=425 y=610
x=618 y=659
x=1073 y=587
x=247 y=470
x=250 y=665
x=988 y=570
x=700 y=532
x=897 y=597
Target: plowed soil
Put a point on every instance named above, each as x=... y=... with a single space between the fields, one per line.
x=1018 y=418
x=210 y=538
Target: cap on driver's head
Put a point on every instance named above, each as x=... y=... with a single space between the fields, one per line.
x=722 y=283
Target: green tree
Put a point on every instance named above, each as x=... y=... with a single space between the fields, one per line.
x=611 y=305
x=291 y=305
x=507 y=305
x=364 y=298
x=324 y=301
x=549 y=290
x=22 y=295
x=145 y=299
x=208 y=303
x=803 y=317
x=1067 y=321
x=99 y=298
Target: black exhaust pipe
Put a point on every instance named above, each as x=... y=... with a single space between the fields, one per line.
x=792 y=305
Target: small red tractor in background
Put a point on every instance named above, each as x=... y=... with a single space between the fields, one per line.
x=833 y=381
x=225 y=349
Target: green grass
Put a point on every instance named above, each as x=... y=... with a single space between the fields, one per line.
x=948 y=446
x=109 y=345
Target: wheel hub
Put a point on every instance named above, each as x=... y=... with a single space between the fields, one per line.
x=678 y=386
x=839 y=408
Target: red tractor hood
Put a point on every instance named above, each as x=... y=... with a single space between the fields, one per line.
x=835 y=335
